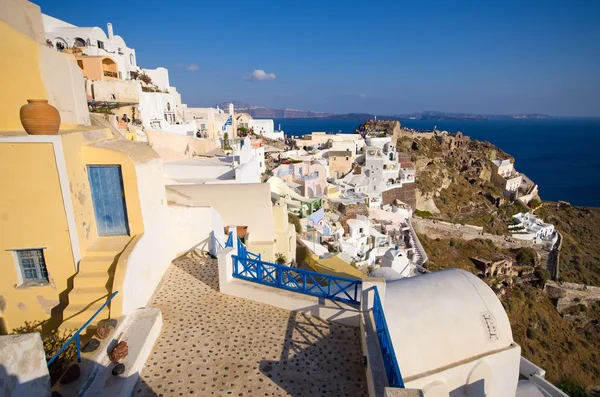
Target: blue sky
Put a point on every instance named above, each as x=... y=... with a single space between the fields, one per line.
x=386 y=57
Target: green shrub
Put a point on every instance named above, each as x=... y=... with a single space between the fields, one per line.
x=535 y=203
x=526 y=257
x=531 y=334
x=53 y=341
x=423 y=214
x=572 y=389
x=280 y=259
x=543 y=275
x=293 y=218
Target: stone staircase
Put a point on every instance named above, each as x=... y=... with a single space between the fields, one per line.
x=92 y=285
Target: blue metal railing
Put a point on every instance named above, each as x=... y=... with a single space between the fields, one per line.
x=244 y=253
x=390 y=362
x=242 y=250
x=77 y=337
x=229 y=242
x=298 y=280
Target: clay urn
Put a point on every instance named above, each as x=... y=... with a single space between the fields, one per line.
x=39 y=117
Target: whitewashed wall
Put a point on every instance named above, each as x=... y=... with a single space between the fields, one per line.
x=168 y=232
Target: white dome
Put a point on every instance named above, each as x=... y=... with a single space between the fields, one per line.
x=386 y=273
x=439 y=319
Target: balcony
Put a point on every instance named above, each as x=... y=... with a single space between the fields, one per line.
x=108 y=73
x=284 y=172
x=310 y=177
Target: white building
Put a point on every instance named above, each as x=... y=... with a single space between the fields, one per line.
x=93 y=42
x=356 y=243
x=505 y=176
x=164 y=112
x=244 y=166
x=528 y=226
x=397 y=260
x=266 y=128
x=162 y=109
x=452 y=337
x=380 y=172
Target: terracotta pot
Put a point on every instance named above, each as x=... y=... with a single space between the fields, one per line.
x=39 y=117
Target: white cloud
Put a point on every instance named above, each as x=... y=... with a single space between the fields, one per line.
x=192 y=67
x=362 y=95
x=259 y=74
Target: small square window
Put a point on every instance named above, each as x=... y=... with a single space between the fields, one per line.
x=33 y=265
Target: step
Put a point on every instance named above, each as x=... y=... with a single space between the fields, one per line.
x=87 y=294
x=92 y=259
x=92 y=279
x=140 y=330
x=95 y=266
x=77 y=314
x=107 y=245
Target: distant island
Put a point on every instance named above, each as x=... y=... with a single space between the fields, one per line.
x=442 y=116
x=265 y=112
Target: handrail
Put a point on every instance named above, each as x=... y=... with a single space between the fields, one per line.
x=390 y=363
x=76 y=335
x=298 y=280
x=229 y=242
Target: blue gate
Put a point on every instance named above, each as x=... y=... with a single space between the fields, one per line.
x=108 y=199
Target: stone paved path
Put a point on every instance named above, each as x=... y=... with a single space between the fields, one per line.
x=217 y=345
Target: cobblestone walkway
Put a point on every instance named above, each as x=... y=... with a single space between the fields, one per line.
x=217 y=345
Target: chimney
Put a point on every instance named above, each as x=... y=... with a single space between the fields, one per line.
x=110 y=31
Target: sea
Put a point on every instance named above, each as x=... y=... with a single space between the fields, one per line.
x=561 y=155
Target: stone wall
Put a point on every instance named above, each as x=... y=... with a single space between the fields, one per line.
x=569 y=294
x=446 y=230
x=406 y=194
x=23 y=370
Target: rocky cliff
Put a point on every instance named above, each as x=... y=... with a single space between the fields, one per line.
x=454 y=183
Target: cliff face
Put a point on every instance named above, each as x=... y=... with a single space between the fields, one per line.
x=453 y=180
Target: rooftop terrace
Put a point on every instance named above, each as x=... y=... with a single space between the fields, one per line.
x=215 y=344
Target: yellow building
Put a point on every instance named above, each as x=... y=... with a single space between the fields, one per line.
x=83 y=213
x=340 y=163
x=97 y=67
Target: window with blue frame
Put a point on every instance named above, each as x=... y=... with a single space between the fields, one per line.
x=33 y=265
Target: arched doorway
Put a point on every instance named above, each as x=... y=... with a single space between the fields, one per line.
x=79 y=42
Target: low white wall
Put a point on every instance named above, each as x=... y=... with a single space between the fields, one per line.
x=536 y=374
x=169 y=230
x=195 y=228
x=483 y=376
x=248 y=172
x=523 y=236
x=325 y=309
x=23 y=370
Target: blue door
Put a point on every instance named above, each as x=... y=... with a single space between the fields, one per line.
x=108 y=199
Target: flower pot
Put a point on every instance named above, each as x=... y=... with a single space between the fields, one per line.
x=39 y=117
